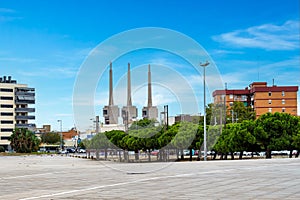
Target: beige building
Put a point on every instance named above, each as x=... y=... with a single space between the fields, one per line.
x=15 y=109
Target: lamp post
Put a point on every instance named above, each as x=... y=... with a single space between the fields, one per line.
x=204 y=102
x=60 y=121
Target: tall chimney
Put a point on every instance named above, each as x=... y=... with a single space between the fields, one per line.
x=129 y=101
x=111 y=100
x=149 y=88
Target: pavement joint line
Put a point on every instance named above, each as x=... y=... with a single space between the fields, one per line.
x=25 y=176
x=124 y=183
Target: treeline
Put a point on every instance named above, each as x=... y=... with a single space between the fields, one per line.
x=270 y=132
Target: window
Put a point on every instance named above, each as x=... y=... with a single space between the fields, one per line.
x=6 y=130
x=6 y=106
x=6 y=98
x=6 y=114
x=231 y=96
x=270 y=110
x=283 y=109
x=7 y=122
x=231 y=103
x=6 y=90
x=270 y=94
x=5 y=137
x=283 y=101
x=283 y=93
x=270 y=101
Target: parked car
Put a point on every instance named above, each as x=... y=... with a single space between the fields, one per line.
x=154 y=153
x=71 y=150
x=62 y=151
x=82 y=151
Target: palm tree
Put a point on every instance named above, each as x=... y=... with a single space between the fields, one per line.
x=24 y=141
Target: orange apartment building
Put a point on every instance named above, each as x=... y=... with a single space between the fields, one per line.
x=261 y=98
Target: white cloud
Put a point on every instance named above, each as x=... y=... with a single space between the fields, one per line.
x=65 y=72
x=266 y=36
x=6 y=15
x=225 y=52
x=6 y=10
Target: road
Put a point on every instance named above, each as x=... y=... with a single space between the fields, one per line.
x=61 y=177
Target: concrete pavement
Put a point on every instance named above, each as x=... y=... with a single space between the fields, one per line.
x=61 y=177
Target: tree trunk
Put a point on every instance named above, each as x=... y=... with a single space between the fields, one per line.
x=232 y=156
x=136 y=153
x=97 y=154
x=191 y=156
x=182 y=156
x=291 y=154
x=268 y=154
x=149 y=155
x=221 y=157
x=105 y=154
x=241 y=155
x=120 y=158
x=215 y=155
x=125 y=155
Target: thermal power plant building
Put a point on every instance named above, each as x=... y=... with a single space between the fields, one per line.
x=110 y=112
x=129 y=112
x=149 y=112
x=15 y=108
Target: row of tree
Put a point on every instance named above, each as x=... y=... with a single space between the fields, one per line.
x=270 y=132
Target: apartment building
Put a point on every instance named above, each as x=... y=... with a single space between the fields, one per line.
x=16 y=111
x=261 y=98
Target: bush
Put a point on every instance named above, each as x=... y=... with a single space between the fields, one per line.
x=2 y=149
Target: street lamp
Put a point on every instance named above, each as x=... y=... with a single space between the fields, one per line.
x=60 y=133
x=205 y=147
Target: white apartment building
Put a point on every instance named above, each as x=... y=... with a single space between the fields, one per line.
x=15 y=110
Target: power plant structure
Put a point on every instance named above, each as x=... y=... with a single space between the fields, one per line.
x=110 y=112
x=149 y=112
x=129 y=112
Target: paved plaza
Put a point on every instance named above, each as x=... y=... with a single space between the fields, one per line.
x=61 y=177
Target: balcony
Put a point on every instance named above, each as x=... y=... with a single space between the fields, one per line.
x=25 y=94
x=22 y=117
x=25 y=125
x=25 y=102
x=24 y=110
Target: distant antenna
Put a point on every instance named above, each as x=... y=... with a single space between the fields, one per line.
x=273 y=81
x=225 y=86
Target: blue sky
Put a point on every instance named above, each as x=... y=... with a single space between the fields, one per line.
x=44 y=44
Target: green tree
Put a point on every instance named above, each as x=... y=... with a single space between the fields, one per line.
x=142 y=124
x=276 y=131
x=221 y=146
x=241 y=137
x=24 y=141
x=240 y=112
x=186 y=133
x=51 y=138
